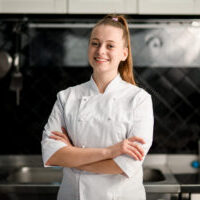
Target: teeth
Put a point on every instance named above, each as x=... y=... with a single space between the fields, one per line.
x=99 y=59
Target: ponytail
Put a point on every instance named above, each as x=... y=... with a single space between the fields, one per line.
x=125 y=67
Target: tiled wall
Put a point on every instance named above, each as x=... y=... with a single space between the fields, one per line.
x=166 y=64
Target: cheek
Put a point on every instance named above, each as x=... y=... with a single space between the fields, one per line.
x=118 y=56
x=122 y=54
x=90 y=53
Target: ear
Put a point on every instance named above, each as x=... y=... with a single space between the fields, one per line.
x=125 y=53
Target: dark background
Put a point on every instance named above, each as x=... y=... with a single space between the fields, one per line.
x=53 y=59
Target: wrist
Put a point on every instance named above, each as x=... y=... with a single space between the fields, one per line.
x=107 y=153
x=112 y=151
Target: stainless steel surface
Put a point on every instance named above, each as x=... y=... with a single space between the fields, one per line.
x=5 y=63
x=36 y=175
x=152 y=175
x=20 y=161
x=163 y=196
x=53 y=175
x=152 y=24
x=189 y=183
x=27 y=174
x=168 y=185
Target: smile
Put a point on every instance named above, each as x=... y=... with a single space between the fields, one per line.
x=101 y=59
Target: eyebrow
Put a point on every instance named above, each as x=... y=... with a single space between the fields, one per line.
x=106 y=41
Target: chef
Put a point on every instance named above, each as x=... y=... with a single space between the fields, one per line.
x=100 y=131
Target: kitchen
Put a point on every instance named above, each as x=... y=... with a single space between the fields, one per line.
x=43 y=51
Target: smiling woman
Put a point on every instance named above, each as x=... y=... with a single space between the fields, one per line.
x=101 y=148
x=106 y=50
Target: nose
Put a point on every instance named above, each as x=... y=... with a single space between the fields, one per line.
x=101 y=50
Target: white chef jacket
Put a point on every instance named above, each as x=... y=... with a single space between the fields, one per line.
x=94 y=120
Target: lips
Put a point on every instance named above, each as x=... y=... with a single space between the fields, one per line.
x=99 y=59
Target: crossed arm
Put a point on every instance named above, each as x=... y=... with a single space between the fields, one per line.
x=96 y=160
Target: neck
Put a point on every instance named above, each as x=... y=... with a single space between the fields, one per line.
x=103 y=79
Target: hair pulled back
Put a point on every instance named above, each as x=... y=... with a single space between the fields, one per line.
x=125 y=67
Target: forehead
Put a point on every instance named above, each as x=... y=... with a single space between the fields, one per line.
x=107 y=32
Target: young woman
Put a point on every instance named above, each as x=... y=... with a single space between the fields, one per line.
x=101 y=130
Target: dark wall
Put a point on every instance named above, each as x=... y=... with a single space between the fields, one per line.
x=166 y=64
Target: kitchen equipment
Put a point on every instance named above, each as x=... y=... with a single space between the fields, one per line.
x=53 y=175
x=25 y=175
x=36 y=175
x=5 y=63
x=16 y=80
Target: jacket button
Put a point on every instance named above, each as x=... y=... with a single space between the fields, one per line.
x=109 y=118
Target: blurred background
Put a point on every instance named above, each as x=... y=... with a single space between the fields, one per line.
x=49 y=53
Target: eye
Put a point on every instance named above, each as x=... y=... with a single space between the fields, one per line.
x=110 y=46
x=95 y=44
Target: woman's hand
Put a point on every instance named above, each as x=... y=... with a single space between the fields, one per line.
x=61 y=136
x=130 y=147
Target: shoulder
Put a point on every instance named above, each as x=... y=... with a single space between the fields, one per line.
x=72 y=91
x=142 y=102
x=135 y=91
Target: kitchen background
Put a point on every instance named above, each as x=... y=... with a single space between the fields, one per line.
x=53 y=56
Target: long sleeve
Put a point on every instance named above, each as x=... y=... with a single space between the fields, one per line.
x=55 y=122
x=142 y=126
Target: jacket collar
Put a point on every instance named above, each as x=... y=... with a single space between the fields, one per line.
x=113 y=85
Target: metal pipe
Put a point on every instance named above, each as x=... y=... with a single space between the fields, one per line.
x=91 y=25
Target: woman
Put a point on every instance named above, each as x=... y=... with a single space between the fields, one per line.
x=101 y=130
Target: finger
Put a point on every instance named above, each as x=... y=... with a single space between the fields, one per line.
x=65 y=137
x=131 y=154
x=137 y=139
x=55 y=137
x=58 y=133
x=135 y=152
x=58 y=138
x=62 y=135
x=64 y=130
x=139 y=149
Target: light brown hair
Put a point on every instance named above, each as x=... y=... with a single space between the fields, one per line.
x=125 y=67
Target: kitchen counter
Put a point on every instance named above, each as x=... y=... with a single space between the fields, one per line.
x=189 y=183
x=160 y=176
x=187 y=176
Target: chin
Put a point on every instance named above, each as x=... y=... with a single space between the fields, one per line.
x=101 y=69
